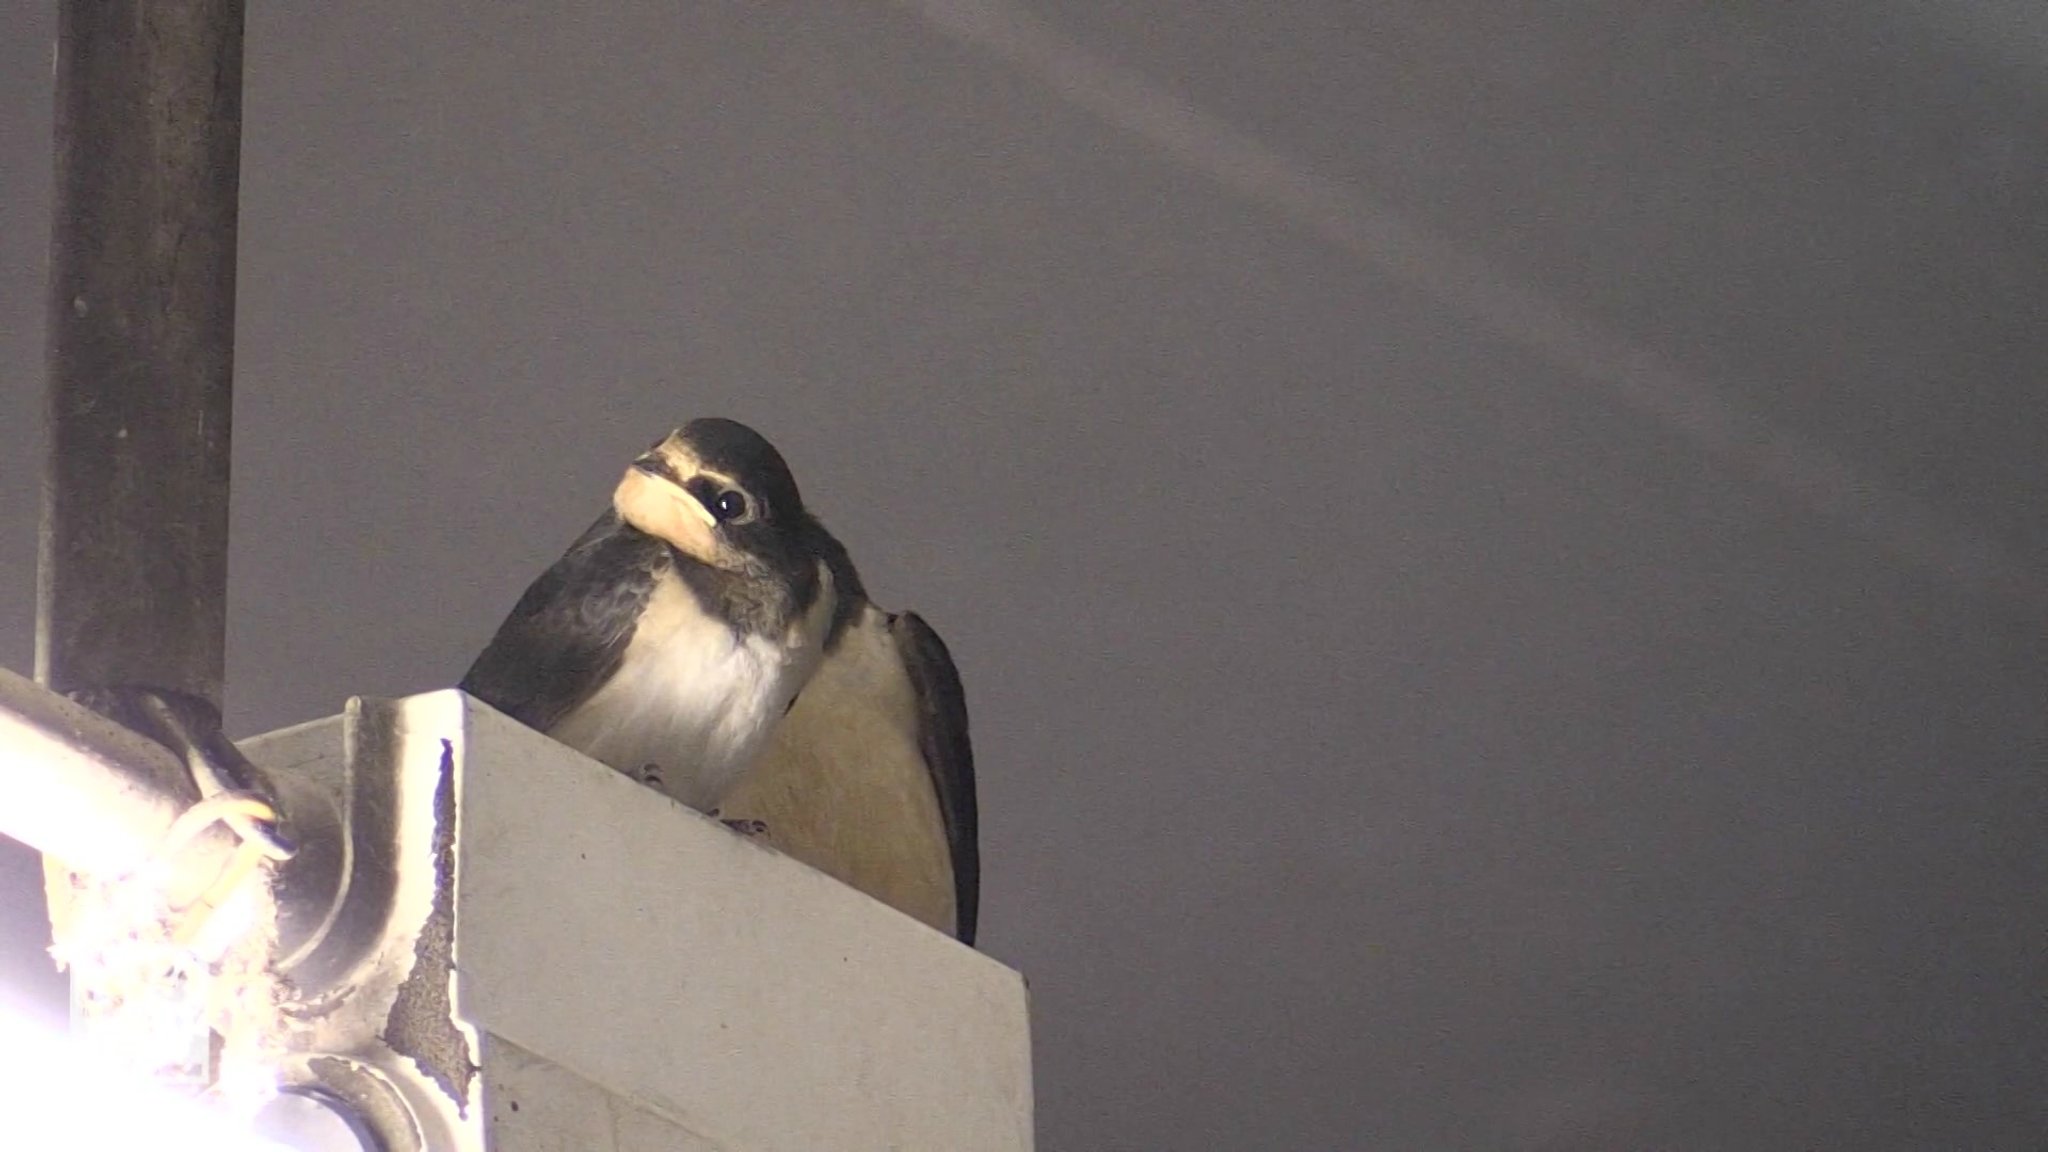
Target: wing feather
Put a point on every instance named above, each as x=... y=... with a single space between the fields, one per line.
x=948 y=754
x=569 y=631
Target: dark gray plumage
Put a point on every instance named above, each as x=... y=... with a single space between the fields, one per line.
x=948 y=754
x=568 y=633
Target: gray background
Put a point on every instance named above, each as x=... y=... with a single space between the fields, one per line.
x=1496 y=549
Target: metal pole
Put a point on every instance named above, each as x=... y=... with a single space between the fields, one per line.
x=133 y=578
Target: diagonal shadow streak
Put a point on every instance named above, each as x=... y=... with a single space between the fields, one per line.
x=1819 y=478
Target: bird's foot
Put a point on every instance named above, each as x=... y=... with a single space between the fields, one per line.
x=747 y=828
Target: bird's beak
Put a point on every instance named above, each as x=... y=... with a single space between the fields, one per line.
x=661 y=466
x=655 y=464
x=652 y=498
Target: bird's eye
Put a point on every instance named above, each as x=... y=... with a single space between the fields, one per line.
x=729 y=505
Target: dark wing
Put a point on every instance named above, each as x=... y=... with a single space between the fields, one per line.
x=846 y=582
x=568 y=633
x=942 y=737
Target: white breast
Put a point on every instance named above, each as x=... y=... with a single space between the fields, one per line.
x=693 y=702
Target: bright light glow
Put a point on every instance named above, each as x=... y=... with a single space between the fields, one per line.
x=54 y=1095
x=79 y=786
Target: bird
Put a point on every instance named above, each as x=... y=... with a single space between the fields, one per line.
x=708 y=637
x=679 y=627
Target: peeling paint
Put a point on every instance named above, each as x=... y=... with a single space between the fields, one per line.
x=422 y=1024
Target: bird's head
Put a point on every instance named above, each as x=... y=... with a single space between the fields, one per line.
x=718 y=492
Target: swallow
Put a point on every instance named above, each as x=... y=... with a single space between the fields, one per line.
x=708 y=637
x=680 y=626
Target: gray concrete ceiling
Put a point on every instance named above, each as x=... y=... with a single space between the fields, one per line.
x=1495 y=548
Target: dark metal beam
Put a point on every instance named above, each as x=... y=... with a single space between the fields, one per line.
x=133 y=581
